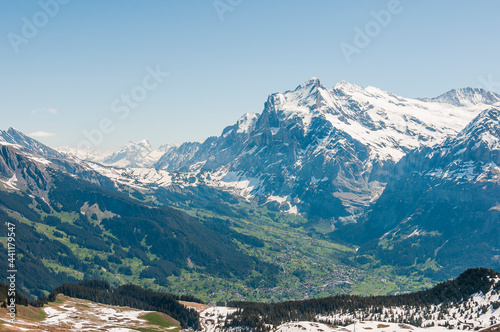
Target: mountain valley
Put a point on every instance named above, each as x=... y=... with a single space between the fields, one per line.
x=346 y=190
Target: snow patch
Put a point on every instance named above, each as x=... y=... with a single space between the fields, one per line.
x=11 y=183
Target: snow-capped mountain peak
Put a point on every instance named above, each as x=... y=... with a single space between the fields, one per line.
x=467 y=97
x=247 y=122
x=312 y=82
x=14 y=136
x=305 y=98
x=390 y=125
x=145 y=143
x=486 y=121
x=134 y=154
x=479 y=141
x=345 y=86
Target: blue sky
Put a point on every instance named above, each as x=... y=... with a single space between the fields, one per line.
x=71 y=74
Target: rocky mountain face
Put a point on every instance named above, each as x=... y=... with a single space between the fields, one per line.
x=444 y=205
x=13 y=136
x=26 y=163
x=18 y=172
x=325 y=152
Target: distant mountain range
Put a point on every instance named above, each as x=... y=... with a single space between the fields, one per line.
x=133 y=155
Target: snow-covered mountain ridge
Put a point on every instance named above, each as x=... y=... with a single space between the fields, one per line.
x=467 y=97
x=15 y=137
x=323 y=152
x=387 y=124
x=342 y=141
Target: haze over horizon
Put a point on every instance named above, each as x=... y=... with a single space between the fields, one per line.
x=197 y=69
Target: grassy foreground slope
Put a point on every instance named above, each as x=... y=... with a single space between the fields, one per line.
x=70 y=314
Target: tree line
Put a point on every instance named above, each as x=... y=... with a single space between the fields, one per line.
x=127 y=295
x=259 y=316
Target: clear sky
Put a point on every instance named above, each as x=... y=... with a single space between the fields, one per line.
x=65 y=69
